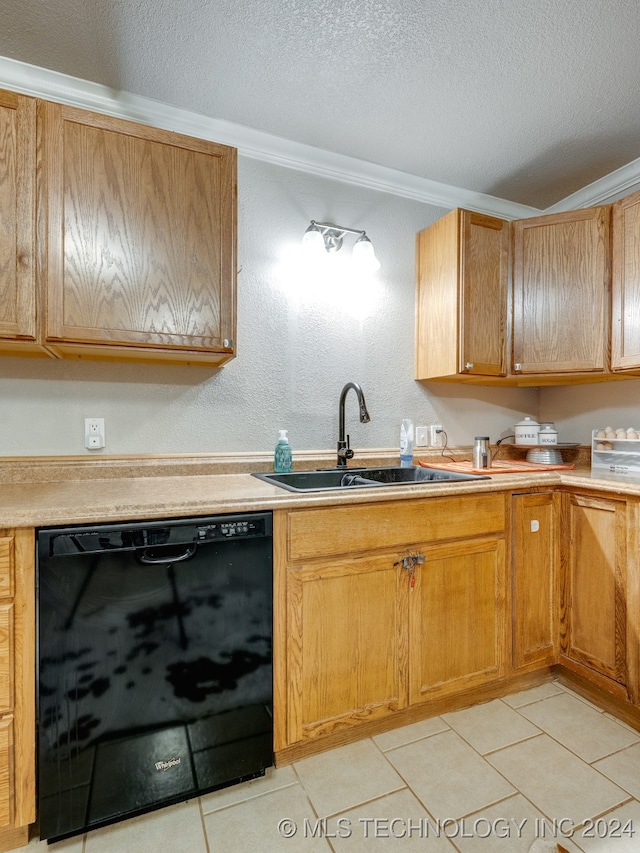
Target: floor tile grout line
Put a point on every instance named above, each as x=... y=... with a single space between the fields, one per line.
x=509 y=745
x=250 y=797
x=572 y=751
x=204 y=826
x=583 y=699
x=614 y=753
x=409 y=742
x=428 y=808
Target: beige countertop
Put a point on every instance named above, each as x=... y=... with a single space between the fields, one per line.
x=65 y=492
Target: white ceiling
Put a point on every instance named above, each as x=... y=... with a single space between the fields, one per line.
x=526 y=101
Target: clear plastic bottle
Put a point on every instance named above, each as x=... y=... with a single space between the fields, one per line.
x=282 y=458
x=406 y=443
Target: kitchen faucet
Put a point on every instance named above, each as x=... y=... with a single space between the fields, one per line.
x=344 y=450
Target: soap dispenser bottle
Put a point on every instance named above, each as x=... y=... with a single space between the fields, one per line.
x=282 y=458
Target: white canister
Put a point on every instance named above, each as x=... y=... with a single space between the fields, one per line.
x=548 y=435
x=527 y=431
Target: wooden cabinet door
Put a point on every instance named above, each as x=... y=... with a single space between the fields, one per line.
x=141 y=239
x=347 y=637
x=461 y=303
x=533 y=581
x=594 y=586
x=457 y=624
x=17 y=220
x=484 y=264
x=561 y=292
x=625 y=283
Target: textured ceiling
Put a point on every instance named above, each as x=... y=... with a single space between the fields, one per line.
x=525 y=101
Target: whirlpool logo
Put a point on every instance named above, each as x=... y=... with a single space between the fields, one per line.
x=166 y=765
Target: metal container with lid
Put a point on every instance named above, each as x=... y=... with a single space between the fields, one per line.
x=481 y=452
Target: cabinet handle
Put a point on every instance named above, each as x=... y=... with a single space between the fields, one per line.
x=517 y=366
x=468 y=365
x=410 y=561
x=227 y=343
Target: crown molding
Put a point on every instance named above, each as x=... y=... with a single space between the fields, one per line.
x=621 y=182
x=62 y=88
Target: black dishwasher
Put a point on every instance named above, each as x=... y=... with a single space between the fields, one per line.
x=154 y=664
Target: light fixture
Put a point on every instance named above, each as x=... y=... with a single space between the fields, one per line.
x=330 y=236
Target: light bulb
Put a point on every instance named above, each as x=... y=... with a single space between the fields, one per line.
x=313 y=241
x=364 y=256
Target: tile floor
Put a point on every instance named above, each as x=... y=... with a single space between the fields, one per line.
x=502 y=776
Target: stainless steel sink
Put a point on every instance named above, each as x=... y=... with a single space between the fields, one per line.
x=362 y=478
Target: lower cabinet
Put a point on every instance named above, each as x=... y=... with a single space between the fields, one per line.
x=457 y=618
x=594 y=585
x=411 y=609
x=17 y=686
x=534 y=559
x=347 y=636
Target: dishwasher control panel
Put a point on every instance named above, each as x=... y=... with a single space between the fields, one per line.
x=231 y=529
x=92 y=539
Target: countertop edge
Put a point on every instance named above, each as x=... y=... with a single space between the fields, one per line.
x=137 y=498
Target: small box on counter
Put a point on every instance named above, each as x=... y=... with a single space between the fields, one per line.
x=616 y=451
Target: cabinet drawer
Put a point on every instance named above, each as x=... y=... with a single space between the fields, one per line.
x=6 y=566
x=397 y=524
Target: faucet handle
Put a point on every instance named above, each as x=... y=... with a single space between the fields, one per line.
x=348 y=452
x=344 y=450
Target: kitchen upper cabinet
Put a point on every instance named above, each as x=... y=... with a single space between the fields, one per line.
x=18 y=225
x=561 y=293
x=462 y=280
x=534 y=580
x=594 y=586
x=625 y=283
x=139 y=251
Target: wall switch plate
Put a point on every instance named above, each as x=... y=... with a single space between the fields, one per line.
x=422 y=436
x=94 y=433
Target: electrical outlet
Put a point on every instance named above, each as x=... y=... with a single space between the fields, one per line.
x=436 y=438
x=422 y=436
x=94 y=433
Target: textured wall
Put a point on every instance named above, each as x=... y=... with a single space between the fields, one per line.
x=582 y=408
x=301 y=337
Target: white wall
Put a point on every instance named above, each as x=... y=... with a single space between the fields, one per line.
x=578 y=409
x=296 y=350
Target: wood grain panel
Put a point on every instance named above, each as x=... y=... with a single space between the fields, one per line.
x=6 y=566
x=461 y=296
x=397 y=524
x=17 y=216
x=437 y=298
x=457 y=619
x=141 y=235
x=596 y=585
x=561 y=291
x=534 y=560
x=24 y=673
x=625 y=283
x=484 y=250
x=633 y=600
x=6 y=767
x=7 y=652
x=344 y=662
